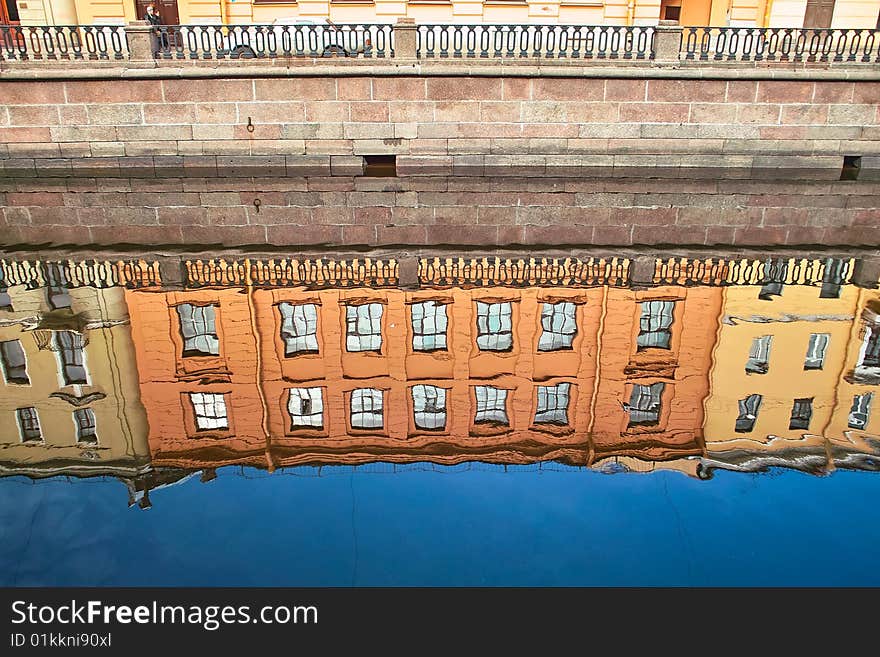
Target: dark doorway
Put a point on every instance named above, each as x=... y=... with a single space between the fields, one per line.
x=819 y=14
x=380 y=166
x=9 y=12
x=167 y=10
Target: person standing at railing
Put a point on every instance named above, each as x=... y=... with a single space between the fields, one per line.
x=153 y=18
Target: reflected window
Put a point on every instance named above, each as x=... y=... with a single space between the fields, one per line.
x=748 y=413
x=364 y=327
x=29 y=424
x=833 y=278
x=559 y=326
x=70 y=350
x=58 y=287
x=14 y=364
x=210 y=410
x=871 y=355
x=801 y=412
x=491 y=405
x=494 y=326
x=815 y=358
x=366 y=409
x=197 y=325
x=86 y=426
x=759 y=355
x=306 y=408
x=553 y=404
x=644 y=404
x=429 y=324
x=861 y=408
x=299 y=328
x=655 y=325
x=429 y=407
x=775 y=273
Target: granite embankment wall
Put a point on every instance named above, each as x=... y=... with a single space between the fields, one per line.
x=470 y=212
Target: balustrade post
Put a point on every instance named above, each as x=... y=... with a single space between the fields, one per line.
x=141 y=41
x=667 y=43
x=405 y=38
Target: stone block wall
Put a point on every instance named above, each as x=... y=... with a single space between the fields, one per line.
x=341 y=212
x=485 y=125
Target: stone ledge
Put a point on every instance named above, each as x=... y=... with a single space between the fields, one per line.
x=197 y=69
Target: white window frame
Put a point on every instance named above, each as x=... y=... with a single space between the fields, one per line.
x=430 y=322
x=204 y=329
x=491 y=405
x=429 y=407
x=299 y=331
x=758 y=361
x=817 y=347
x=94 y=423
x=314 y=397
x=366 y=403
x=552 y=404
x=748 y=409
x=656 y=318
x=653 y=393
x=59 y=356
x=805 y=402
x=558 y=324
x=212 y=400
x=4 y=365
x=21 y=428
x=862 y=405
x=491 y=338
x=363 y=327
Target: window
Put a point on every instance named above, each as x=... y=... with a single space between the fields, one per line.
x=553 y=404
x=801 y=412
x=655 y=323
x=429 y=407
x=29 y=425
x=210 y=409
x=429 y=324
x=815 y=358
x=364 y=332
x=57 y=292
x=491 y=405
x=871 y=357
x=14 y=363
x=861 y=408
x=84 y=418
x=70 y=348
x=644 y=404
x=759 y=355
x=559 y=326
x=197 y=325
x=494 y=328
x=366 y=409
x=306 y=407
x=299 y=328
x=775 y=272
x=748 y=413
x=833 y=278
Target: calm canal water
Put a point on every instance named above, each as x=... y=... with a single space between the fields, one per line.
x=267 y=420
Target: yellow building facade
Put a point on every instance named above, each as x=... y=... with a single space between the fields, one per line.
x=861 y=14
x=69 y=397
x=789 y=363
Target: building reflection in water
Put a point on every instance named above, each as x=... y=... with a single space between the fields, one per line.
x=149 y=371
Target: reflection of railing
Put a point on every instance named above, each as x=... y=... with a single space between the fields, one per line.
x=85 y=273
x=718 y=271
x=448 y=272
x=536 y=41
x=48 y=42
x=292 y=273
x=266 y=41
x=779 y=44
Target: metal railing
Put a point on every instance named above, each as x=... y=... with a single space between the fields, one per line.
x=771 y=44
x=60 y=42
x=269 y=41
x=535 y=41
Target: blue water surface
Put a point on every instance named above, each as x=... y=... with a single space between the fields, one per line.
x=478 y=526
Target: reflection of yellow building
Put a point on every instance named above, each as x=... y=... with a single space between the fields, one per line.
x=783 y=356
x=69 y=401
x=743 y=13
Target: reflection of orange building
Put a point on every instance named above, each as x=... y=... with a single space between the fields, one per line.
x=289 y=375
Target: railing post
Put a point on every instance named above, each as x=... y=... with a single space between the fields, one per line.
x=405 y=38
x=141 y=41
x=667 y=43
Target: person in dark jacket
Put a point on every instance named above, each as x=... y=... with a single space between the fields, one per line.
x=153 y=18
